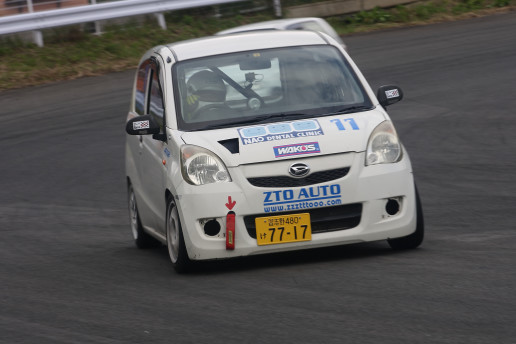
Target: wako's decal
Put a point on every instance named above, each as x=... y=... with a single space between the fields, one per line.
x=303 y=198
x=167 y=152
x=346 y=122
x=297 y=149
x=280 y=131
x=392 y=93
x=141 y=125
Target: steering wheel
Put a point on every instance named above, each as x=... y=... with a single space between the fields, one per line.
x=210 y=108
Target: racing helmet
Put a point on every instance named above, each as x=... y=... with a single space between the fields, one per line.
x=207 y=87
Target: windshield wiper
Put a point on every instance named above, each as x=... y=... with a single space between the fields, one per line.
x=357 y=108
x=281 y=116
x=254 y=120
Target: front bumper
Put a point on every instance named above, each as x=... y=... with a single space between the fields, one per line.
x=366 y=188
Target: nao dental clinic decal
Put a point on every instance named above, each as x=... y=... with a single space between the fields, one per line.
x=280 y=131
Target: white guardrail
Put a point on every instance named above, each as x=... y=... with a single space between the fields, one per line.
x=36 y=21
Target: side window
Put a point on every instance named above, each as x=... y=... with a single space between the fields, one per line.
x=141 y=85
x=156 y=109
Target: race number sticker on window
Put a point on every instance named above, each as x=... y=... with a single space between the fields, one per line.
x=141 y=125
x=392 y=94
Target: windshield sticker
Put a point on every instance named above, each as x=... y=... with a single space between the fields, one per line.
x=303 y=198
x=280 y=131
x=297 y=149
x=141 y=125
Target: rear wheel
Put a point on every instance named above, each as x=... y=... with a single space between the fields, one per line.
x=415 y=239
x=141 y=238
x=175 y=240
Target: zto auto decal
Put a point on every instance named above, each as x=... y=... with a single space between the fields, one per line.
x=345 y=124
x=297 y=149
x=141 y=125
x=280 y=131
x=303 y=198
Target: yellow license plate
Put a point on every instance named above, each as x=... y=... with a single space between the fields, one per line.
x=283 y=228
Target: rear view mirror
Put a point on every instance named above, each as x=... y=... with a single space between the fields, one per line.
x=255 y=62
x=388 y=95
x=142 y=125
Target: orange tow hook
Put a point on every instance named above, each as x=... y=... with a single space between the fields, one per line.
x=230 y=231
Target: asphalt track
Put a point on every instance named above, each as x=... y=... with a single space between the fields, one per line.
x=71 y=274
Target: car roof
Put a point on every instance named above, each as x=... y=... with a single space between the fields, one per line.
x=305 y=23
x=246 y=41
x=278 y=24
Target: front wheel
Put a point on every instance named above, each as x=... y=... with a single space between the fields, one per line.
x=175 y=241
x=415 y=239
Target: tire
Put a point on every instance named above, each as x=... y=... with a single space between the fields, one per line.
x=415 y=239
x=175 y=240
x=141 y=238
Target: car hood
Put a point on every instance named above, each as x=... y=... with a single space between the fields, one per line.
x=289 y=139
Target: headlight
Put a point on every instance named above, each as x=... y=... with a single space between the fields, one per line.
x=200 y=166
x=383 y=146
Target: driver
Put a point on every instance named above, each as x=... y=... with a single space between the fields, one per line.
x=204 y=88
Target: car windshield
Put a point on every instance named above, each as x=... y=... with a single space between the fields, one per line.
x=266 y=85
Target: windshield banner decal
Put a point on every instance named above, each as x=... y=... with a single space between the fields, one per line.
x=280 y=131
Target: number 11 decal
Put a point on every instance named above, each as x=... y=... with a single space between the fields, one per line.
x=341 y=123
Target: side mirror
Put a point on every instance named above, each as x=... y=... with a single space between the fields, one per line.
x=388 y=95
x=142 y=125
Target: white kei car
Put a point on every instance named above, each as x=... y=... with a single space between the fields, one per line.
x=264 y=142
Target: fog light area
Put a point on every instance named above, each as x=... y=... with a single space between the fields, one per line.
x=211 y=227
x=392 y=207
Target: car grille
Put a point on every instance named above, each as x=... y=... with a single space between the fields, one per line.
x=326 y=219
x=286 y=182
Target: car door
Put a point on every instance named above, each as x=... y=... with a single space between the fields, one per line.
x=134 y=142
x=152 y=162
